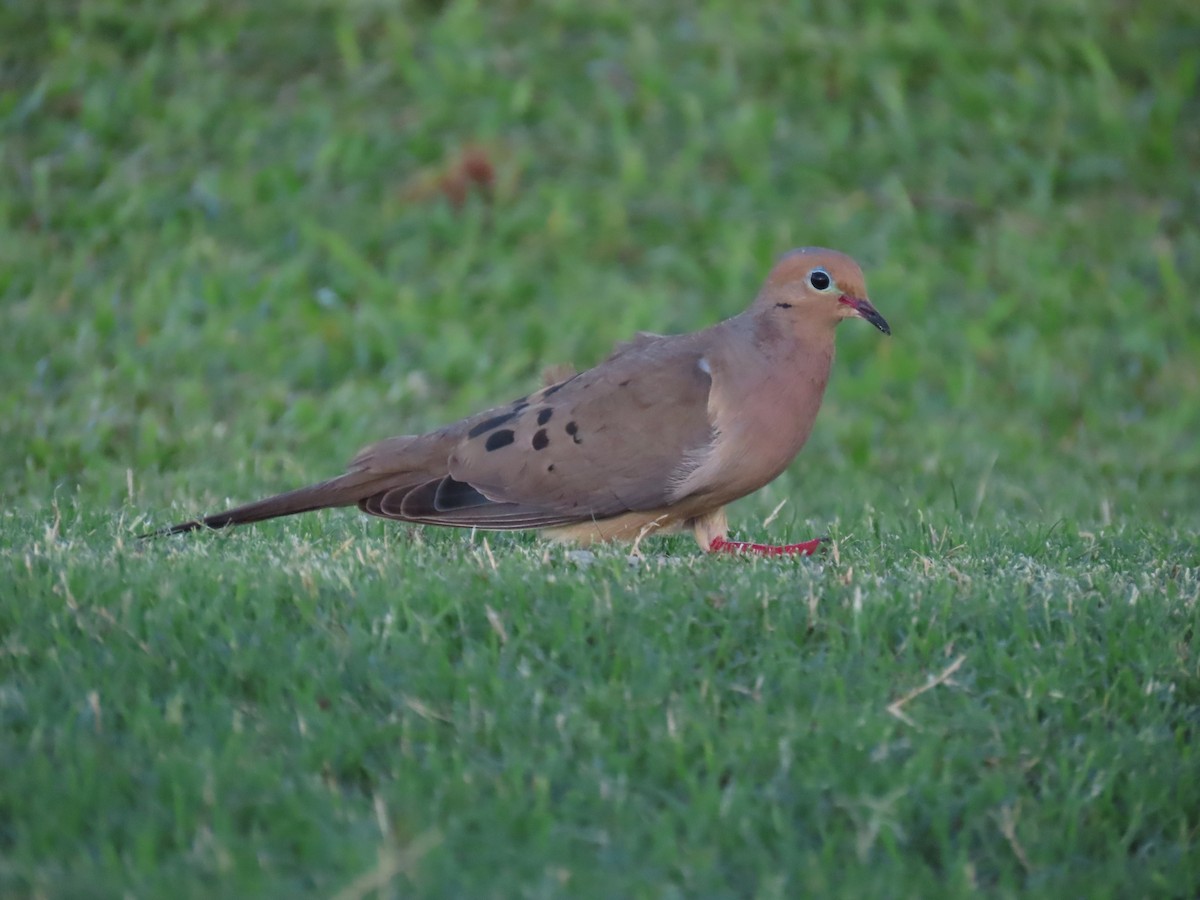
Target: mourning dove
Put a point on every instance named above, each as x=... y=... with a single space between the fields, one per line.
x=659 y=437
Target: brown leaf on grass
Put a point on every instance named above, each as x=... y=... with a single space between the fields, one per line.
x=470 y=169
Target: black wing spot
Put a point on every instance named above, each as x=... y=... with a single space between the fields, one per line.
x=498 y=439
x=625 y=383
x=544 y=415
x=783 y=306
x=452 y=495
x=572 y=430
x=550 y=468
x=489 y=424
x=541 y=440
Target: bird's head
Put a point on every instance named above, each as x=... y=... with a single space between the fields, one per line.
x=817 y=285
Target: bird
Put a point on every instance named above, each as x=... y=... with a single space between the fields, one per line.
x=657 y=438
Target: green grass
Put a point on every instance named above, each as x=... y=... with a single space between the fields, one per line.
x=225 y=265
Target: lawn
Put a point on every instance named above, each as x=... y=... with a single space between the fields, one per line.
x=239 y=240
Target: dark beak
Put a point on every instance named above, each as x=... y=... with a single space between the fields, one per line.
x=868 y=312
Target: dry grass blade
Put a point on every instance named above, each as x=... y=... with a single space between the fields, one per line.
x=896 y=707
x=391 y=863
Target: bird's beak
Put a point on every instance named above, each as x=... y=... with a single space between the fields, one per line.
x=865 y=310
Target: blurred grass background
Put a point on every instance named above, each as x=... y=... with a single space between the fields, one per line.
x=242 y=239
x=228 y=216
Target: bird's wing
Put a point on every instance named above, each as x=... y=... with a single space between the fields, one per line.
x=617 y=438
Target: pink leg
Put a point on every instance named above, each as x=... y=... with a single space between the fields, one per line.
x=808 y=548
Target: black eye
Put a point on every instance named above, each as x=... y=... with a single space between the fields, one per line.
x=820 y=279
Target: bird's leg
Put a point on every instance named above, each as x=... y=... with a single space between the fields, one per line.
x=808 y=548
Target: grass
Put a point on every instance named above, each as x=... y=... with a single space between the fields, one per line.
x=241 y=240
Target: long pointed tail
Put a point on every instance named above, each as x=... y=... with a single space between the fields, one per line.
x=346 y=490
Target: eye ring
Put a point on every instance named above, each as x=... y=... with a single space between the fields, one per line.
x=820 y=279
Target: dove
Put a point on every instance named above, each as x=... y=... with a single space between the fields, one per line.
x=657 y=438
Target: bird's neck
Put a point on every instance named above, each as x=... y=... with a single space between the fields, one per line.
x=781 y=395
x=800 y=351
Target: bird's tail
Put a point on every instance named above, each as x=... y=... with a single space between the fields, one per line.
x=345 y=490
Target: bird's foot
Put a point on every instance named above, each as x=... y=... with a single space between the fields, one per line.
x=808 y=548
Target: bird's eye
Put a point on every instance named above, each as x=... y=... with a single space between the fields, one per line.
x=820 y=279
